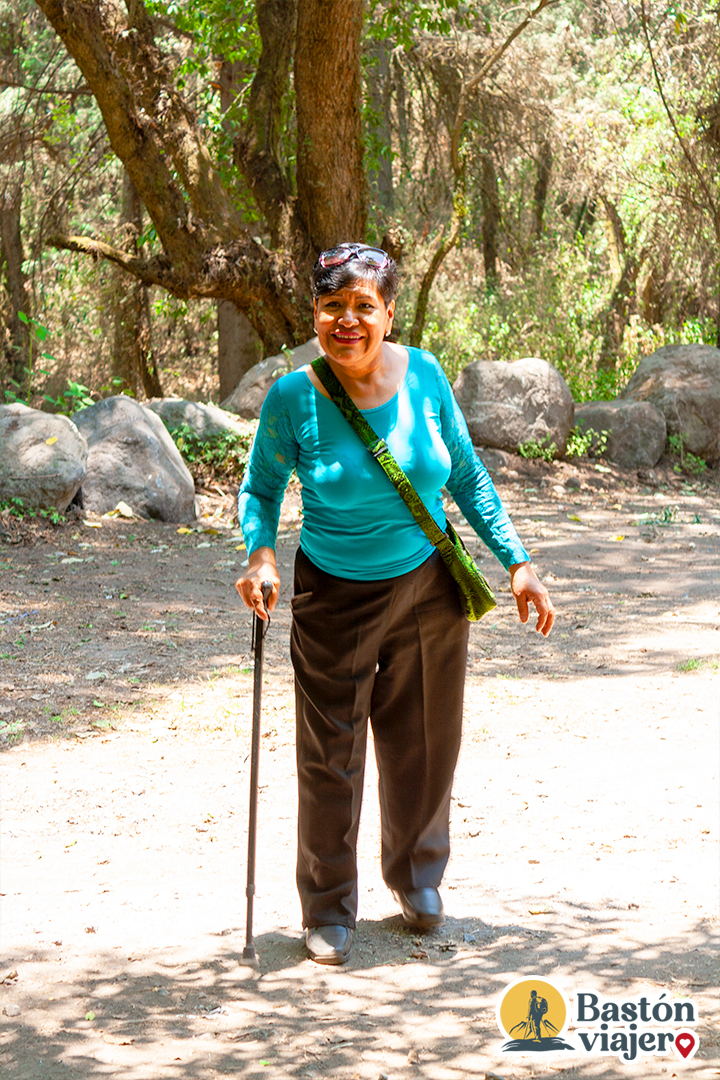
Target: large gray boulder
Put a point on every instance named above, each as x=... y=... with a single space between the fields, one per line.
x=506 y=405
x=207 y=421
x=131 y=458
x=43 y=457
x=247 y=398
x=683 y=382
x=637 y=432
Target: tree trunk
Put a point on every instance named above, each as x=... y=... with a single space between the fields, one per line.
x=16 y=342
x=491 y=220
x=380 y=179
x=625 y=268
x=132 y=359
x=205 y=249
x=239 y=347
x=585 y=217
x=332 y=192
x=541 y=187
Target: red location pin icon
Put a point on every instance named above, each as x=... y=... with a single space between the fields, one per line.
x=686 y=1044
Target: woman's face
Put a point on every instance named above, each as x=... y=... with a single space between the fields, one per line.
x=351 y=325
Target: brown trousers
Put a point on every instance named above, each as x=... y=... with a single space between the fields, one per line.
x=393 y=651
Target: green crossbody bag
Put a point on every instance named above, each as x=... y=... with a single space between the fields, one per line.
x=474 y=590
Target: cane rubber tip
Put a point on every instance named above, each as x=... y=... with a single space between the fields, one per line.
x=250 y=958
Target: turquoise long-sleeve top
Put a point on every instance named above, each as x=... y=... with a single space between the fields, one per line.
x=355 y=525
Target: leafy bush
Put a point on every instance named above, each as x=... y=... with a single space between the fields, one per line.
x=542 y=451
x=582 y=442
x=220 y=457
x=688 y=461
x=15 y=507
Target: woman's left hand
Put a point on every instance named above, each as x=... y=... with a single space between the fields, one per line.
x=528 y=589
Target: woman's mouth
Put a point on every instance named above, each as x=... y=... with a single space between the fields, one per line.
x=346 y=338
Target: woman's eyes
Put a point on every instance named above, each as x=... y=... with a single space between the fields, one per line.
x=334 y=305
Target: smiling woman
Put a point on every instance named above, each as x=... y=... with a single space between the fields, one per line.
x=378 y=628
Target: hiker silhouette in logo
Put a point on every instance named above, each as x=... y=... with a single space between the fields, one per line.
x=530 y=1030
x=526 y=1020
x=536 y=1011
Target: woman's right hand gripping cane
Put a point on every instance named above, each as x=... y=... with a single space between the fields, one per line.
x=261 y=567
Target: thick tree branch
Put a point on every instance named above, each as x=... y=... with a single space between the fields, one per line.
x=149 y=127
x=244 y=272
x=257 y=148
x=156 y=271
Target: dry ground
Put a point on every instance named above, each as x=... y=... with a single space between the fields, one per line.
x=584 y=816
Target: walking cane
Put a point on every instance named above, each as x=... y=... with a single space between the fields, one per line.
x=259 y=627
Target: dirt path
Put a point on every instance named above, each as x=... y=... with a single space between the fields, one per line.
x=584 y=821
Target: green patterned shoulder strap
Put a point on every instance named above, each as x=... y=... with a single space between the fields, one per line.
x=379 y=450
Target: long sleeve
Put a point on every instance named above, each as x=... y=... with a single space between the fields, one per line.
x=273 y=456
x=471 y=487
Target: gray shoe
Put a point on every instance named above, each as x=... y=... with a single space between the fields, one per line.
x=329 y=944
x=421 y=908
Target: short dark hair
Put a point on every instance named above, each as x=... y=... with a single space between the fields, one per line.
x=330 y=279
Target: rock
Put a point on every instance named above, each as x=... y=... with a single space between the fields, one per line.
x=12 y=1009
x=492 y=459
x=247 y=398
x=206 y=421
x=43 y=457
x=131 y=458
x=506 y=405
x=637 y=432
x=683 y=383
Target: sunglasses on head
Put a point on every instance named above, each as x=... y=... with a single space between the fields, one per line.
x=336 y=256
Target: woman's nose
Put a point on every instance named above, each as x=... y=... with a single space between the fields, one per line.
x=348 y=316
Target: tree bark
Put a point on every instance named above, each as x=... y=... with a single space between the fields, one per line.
x=381 y=179
x=132 y=359
x=626 y=267
x=238 y=345
x=490 y=196
x=332 y=191
x=541 y=187
x=206 y=250
x=16 y=345
x=257 y=147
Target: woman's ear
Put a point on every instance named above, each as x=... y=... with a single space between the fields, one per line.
x=389 y=317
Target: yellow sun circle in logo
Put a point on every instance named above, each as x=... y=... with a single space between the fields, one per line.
x=525 y=997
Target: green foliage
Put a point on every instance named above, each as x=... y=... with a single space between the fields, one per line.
x=11 y=730
x=697 y=664
x=542 y=451
x=689 y=462
x=400 y=20
x=667 y=517
x=15 y=507
x=71 y=400
x=588 y=442
x=219 y=457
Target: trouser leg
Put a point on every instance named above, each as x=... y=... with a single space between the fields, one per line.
x=395 y=650
x=334 y=643
x=416 y=715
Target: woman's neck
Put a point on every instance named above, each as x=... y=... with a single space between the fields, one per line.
x=373 y=386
